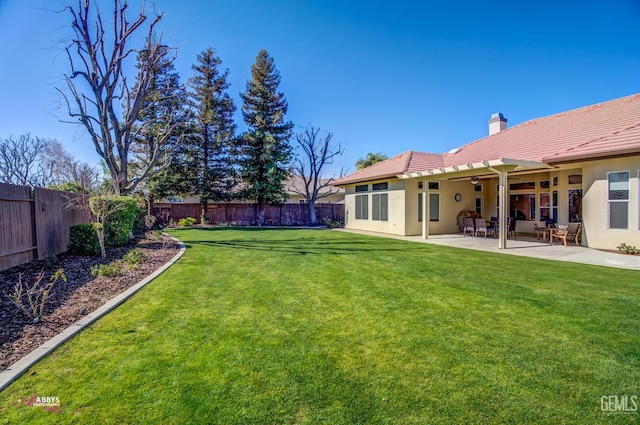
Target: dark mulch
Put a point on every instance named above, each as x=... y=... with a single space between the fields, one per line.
x=69 y=301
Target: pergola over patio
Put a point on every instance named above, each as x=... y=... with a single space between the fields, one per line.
x=502 y=167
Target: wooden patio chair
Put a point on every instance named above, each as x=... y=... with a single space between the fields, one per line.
x=572 y=233
x=468 y=226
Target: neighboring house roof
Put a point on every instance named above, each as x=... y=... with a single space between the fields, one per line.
x=603 y=130
x=295 y=184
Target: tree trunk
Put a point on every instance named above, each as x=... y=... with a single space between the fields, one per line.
x=312 y=213
x=203 y=211
x=260 y=214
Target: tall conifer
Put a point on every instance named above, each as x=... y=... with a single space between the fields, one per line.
x=209 y=147
x=264 y=152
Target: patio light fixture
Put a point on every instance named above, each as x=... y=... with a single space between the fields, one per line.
x=475 y=180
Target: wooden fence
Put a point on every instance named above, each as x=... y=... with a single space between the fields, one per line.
x=239 y=213
x=34 y=224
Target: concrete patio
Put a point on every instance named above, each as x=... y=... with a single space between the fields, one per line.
x=526 y=246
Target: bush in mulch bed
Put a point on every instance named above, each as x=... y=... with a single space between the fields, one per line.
x=70 y=300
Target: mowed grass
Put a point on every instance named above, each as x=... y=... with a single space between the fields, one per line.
x=322 y=327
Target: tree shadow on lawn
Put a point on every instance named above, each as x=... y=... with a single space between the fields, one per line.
x=304 y=247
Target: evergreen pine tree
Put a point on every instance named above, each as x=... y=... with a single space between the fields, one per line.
x=160 y=128
x=209 y=145
x=265 y=153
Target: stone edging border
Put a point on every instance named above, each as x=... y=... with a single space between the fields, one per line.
x=14 y=371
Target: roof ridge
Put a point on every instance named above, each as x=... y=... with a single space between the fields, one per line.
x=407 y=162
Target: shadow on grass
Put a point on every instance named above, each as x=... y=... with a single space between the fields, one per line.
x=311 y=243
x=304 y=247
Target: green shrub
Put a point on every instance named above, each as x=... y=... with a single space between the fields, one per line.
x=628 y=249
x=331 y=224
x=139 y=221
x=133 y=258
x=108 y=270
x=83 y=240
x=120 y=213
x=186 y=222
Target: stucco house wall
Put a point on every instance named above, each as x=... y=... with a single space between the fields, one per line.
x=395 y=223
x=595 y=203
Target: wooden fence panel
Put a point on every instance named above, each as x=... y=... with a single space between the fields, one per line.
x=53 y=219
x=243 y=213
x=17 y=244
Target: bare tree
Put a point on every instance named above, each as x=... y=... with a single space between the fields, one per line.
x=22 y=161
x=103 y=99
x=314 y=153
x=67 y=173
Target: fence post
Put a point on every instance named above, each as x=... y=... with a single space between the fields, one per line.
x=34 y=223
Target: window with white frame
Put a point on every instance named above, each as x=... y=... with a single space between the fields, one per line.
x=545 y=206
x=362 y=207
x=618 y=199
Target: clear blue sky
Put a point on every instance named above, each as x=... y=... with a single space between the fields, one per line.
x=382 y=76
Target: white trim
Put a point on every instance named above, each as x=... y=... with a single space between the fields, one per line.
x=517 y=163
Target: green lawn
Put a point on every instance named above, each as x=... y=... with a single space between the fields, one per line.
x=323 y=327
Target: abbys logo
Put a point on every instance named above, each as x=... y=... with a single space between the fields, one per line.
x=619 y=404
x=51 y=404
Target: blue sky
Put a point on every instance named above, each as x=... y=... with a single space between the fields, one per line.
x=382 y=76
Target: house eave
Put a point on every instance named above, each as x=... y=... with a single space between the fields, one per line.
x=475 y=168
x=568 y=159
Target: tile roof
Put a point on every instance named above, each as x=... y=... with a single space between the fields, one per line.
x=602 y=130
x=295 y=183
x=406 y=161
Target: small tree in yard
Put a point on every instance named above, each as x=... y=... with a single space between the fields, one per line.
x=316 y=152
x=113 y=218
x=264 y=150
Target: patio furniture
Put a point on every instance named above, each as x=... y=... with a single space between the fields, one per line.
x=481 y=227
x=511 y=227
x=494 y=223
x=468 y=226
x=572 y=233
x=542 y=228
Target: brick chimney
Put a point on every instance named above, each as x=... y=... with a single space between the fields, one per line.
x=497 y=123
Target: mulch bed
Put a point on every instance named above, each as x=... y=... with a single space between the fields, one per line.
x=71 y=300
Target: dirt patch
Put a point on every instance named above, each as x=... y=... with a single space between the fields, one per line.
x=71 y=300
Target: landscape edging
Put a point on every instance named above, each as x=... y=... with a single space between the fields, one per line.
x=14 y=371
